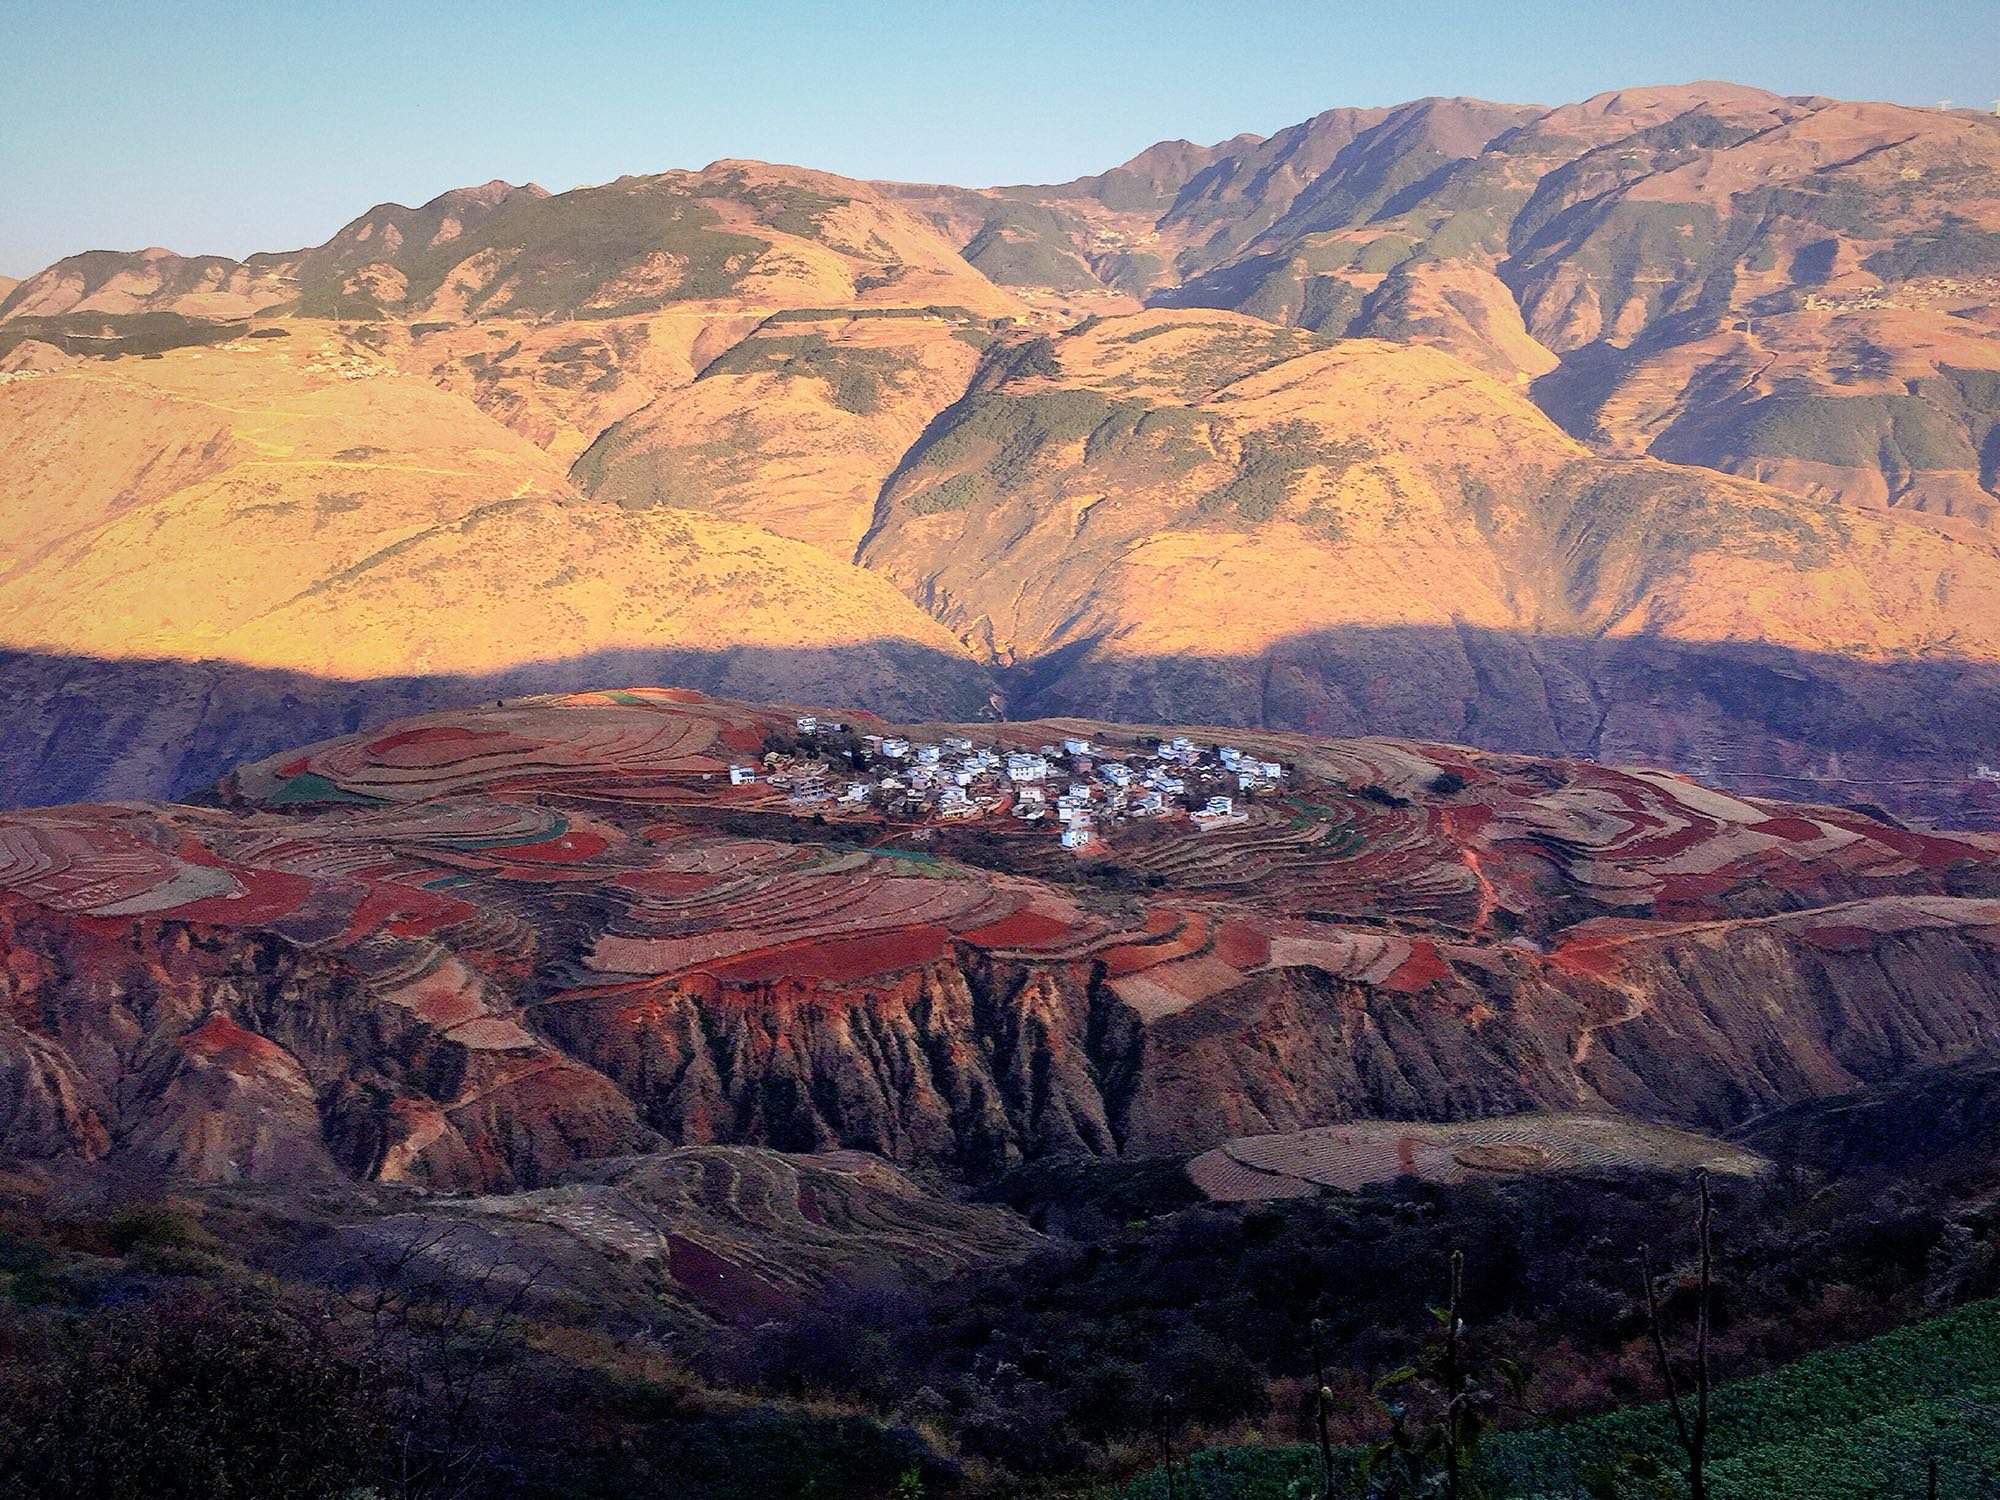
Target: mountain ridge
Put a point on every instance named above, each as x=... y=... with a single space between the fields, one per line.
x=1773 y=381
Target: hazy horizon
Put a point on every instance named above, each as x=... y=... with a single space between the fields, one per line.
x=227 y=128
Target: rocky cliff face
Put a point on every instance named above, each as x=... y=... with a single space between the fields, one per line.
x=473 y=950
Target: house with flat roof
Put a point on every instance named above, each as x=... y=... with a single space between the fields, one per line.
x=1022 y=767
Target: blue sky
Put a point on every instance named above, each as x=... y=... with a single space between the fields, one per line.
x=231 y=127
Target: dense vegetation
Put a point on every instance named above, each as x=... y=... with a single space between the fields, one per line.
x=1024 y=244
x=1855 y=431
x=106 y=334
x=1954 y=249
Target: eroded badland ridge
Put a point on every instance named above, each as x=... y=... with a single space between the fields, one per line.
x=1657 y=428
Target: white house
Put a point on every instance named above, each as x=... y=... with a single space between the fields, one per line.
x=1021 y=767
x=742 y=775
x=1220 y=812
x=895 y=749
x=1076 y=747
x=807 y=723
x=1076 y=835
x=927 y=755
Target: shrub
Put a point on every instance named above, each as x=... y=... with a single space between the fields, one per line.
x=185 y=1399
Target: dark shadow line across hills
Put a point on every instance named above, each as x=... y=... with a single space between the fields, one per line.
x=86 y=728
x=1903 y=735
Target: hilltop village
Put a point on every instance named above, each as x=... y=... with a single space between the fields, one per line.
x=1076 y=787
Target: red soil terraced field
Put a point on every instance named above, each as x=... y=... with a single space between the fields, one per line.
x=476 y=948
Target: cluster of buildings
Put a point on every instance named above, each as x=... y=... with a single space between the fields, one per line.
x=1074 y=786
x=1919 y=292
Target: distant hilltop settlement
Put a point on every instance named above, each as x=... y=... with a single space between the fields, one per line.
x=1074 y=786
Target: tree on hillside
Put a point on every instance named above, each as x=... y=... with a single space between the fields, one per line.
x=436 y=1318
x=1439 y=1410
x=1690 y=1430
x=1322 y=1410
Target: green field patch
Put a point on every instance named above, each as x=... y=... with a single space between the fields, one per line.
x=513 y=840
x=1859 y=1421
x=310 y=786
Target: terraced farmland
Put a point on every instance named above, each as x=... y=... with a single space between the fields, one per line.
x=475 y=949
x=722 y=1234
x=1350 y=1156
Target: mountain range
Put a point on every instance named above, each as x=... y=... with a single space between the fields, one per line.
x=1660 y=427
